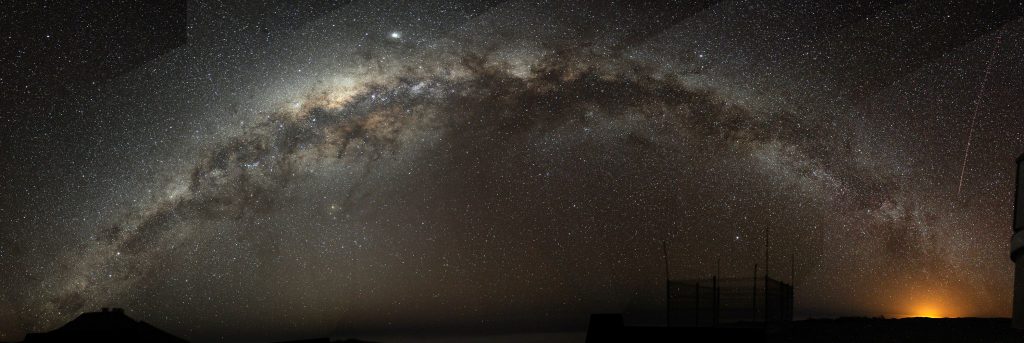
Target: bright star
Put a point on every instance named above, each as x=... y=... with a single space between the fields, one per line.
x=396 y=35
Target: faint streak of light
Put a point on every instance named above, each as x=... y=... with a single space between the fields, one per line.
x=977 y=106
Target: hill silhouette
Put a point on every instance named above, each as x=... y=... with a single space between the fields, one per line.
x=113 y=326
x=108 y=325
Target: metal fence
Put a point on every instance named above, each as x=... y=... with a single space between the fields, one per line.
x=715 y=301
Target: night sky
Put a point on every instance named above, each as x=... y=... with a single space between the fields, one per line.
x=352 y=168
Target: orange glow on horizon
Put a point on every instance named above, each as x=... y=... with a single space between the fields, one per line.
x=931 y=301
x=933 y=309
x=927 y=311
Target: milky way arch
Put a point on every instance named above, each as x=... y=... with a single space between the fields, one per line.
x=493 y=182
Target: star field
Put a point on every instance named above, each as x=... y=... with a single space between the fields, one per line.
x=366 y=167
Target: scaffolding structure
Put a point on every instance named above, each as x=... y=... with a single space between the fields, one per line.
x=728 y=301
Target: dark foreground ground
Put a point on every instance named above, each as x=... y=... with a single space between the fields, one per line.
x=114 y=326
x=898 y=330
x=990 y=330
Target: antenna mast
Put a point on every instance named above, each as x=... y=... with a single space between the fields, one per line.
x=668 y=287
x=766 y=232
